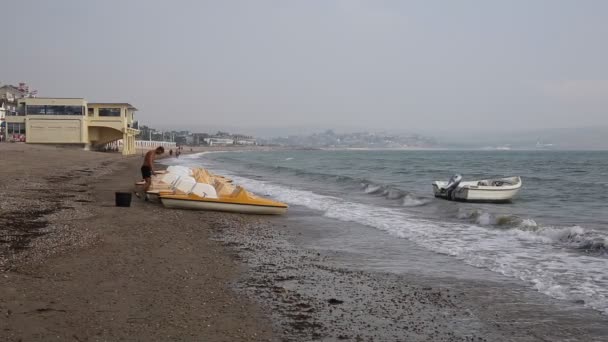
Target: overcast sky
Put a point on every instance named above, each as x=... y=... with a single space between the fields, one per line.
x=396 y=65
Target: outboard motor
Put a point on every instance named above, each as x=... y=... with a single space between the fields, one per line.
x=452 y=185
x=453 y=182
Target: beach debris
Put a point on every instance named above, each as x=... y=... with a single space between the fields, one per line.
x=334 y=301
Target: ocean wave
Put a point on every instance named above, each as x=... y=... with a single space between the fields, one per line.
x=387 y=191
x=523 y=250
x=575 y=237
x=413 y=201
x=306 y=174
x=372 y=188
x=392 y=193
x=505 y=221
x=382 y=190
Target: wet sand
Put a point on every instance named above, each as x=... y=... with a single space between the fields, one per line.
x=77 y=268
x=312 y=296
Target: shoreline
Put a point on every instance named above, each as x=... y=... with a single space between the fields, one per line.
x=93 y=271
x=311 y=295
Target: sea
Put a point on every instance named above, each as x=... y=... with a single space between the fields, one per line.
x=378 y=208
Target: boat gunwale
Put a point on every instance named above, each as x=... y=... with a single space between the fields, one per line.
x=504 y=201
x=490 y=189
x=218 y=200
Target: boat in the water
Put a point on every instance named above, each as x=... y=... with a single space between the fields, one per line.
x=185 y=188
x=497 y=190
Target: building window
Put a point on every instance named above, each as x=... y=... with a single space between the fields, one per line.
x=109 y=111
x=55 y=110
x=36 y=110
x=74 y=110
x=91 y=111
x=15 y=128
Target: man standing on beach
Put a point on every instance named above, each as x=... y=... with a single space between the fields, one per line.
x=147 y=169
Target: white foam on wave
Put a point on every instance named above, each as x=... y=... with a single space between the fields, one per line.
x=371 y=188
x=412 y=201
x=528 y=223
x=484 y=219
x=500 y=220
x=527 y=254
x=574 y=237
x=184 y=159
x=392 y=194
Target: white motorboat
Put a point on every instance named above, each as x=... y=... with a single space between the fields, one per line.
x=487 y=190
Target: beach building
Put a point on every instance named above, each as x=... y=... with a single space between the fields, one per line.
x=219 y=141
x=109 y=122
x=9 y=95
x=8 y=105
x=240 y=139
x=72 y=121
x=199 y=138
x=2 y=121
x=246 y=142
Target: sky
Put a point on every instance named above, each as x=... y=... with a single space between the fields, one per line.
x=282 y=66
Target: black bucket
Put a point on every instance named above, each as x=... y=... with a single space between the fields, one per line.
x=123 y=199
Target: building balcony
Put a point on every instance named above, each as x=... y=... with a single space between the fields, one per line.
x=118 y=116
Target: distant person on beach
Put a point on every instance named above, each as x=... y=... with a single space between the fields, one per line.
x=147 y=169
x=171 y=152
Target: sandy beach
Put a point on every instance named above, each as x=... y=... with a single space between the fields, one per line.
x=77 y=268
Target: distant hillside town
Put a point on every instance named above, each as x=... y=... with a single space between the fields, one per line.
x=330 y=139
x=195 y=139
x=326 y=139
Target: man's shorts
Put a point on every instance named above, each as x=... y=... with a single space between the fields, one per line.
x=146 y=172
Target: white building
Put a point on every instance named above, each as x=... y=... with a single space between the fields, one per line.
x=219 y=141
x=245 y=142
